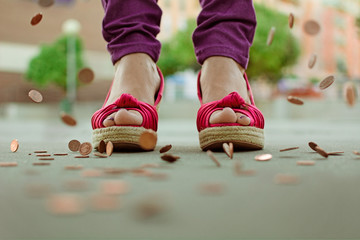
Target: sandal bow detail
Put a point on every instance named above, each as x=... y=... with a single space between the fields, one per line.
x=212 y=136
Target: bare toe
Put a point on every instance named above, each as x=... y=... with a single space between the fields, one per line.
x=243 y=119
x=128 y=117
x=109 y=121
x=226 y=115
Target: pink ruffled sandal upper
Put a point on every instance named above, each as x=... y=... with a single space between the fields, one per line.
x=127 y=101
x=234 y=101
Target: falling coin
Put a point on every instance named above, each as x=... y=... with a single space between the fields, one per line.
x=312 y=145
x=321 y=151
x=291 y=20
x=68 y=120
x=76 y=185
x=165 y=149
x=43 y=155
x=263 y=157
x=305 y=163
x=36 y=19
x=158 y=176
x=109 y=148
x=14 y=145
x=311 y=27
x=228 y=150
x=350 y=93
x=295 y=100
x=60 y=154
x=41 y=163
x=46 y=159
x=170 y=158
x=326 y=82
x=288 y=149
x=286 y=179
x=8 y=164
x=356 y=152
x=86 y=75
x=312 y=61
x=65 y=204
x=147 y=140
x=85 y=148
x=212 y=157
x=335 y=153
x=46 y=3
x=102 y=147
x=74 y=145
x=35 y=96
x=40 y=151
x=270 y=36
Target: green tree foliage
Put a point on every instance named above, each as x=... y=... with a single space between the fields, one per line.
x=50 y=65
x=177 y=53
x=270 y=61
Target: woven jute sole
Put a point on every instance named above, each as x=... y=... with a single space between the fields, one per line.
x=123 y=138
x=243 y=138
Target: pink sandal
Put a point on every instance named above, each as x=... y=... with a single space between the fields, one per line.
x=212 y=136
x=126 y=137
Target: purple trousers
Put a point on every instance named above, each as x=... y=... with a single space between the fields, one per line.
x=224 y=28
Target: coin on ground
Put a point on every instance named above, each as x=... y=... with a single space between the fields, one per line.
x=68 y=119
x=82 y=156
x=305 y=163
x=74 y=145
x=356 y=152
x=148 y=139
x=102 y=147
x=36 y=19
x=46 y=159
x=105 y=203
x=350 y=93
x=109 y=148
x=170 y=158
x=286 y=179
x=35 y=96
x=40 y=151
x=270 y=37
x=65 y=204
x=46 y=3
x=165 y=149
x=311 y=27
x=312 y=61
x=326 y=82
x=291 y=20
x=8 y=164
x=14 y=145
x=115 y=187
x=295 y=100
x=86 y=75
x=288 y=149
x=91 y=173
x=41 y=163
x=85 y=148
x=60 y=154
x=73 y=167
x=263 y=157
x=212 y=157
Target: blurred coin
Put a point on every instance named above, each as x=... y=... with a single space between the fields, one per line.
x=46 y=3
x=350 y=93
x=213 y=158
x=85 y=148
x=295 y=100
x=109 y=148
x=36 y=19
x=312 y=60
x=86 y=75
x=8 y=164
x=35 y=96
x=14 y=145
x=91 y=173
x=147 y=140
x=46 y=159
x=335 y=153
x=305 y=163
x=263 y=157
x=311 y=27
x=291 y=20
x=68 y=119
x=170 y=158
x=288 y=149
x=115 y=187
x=74 y=145
x=286 y=179
x=312 y=145
x=212 y=188
x=326 y=82
x=228 y=150
x=41 y=163
x=65 y=204
x=270 y=37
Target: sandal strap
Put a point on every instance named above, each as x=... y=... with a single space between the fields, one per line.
x=237 y=103
x=127 y=101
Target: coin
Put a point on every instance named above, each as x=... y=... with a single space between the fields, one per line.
x=335 y=153
x=212 y=157
x=109 y=148
x=158 y=176
x=149 y=165
x=321 y=151
x=104 y=203
x=288 y=149
x=114 y=187
x=46 y=3
x=82 y=156
x=35 y=96
x=305 y=163
x=100 y=155
x=286 y=179
x=14 y=145
x=43 y=155
x=227 y=150
x=41 y=163
x=165 y=149
x=36 y=19
x=263 y=157
x=326 y=82
x=312 y=145
x=85 y=148
x=312 y=61
x=8 y=164
x=349 y=93
x=73 y=167
x=68 y=119
x=46 y=159
x=270 y=36
x=147 y=140
x=74 y=145
x=102 y=147
x=295 y=100
x=76 y=185
x=291 y=20
x=311 y=27
x=86 y=75
x=40 y=151
x=65 y=204
x=170 y=158
x=356 y=152
x=91 y=173
x=60 y=154
x=212 y=188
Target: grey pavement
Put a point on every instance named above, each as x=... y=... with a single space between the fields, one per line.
x=323 y=204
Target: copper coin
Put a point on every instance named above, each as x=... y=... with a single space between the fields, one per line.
x=76 y=185
x=312 y=145
x=65 y=204
x=82 y=156
x=326 y=82
x=270 y=36
x=115 y=187
x=91 y=173
x=46 y=3
x=288 y=149
x=295 y=100
x=311 y=27
x=74 y=145
x=86 y=75
x=140 y=172
x=34 y=21
x=356 y=152
x=165 y=149
x=115 y=171
x=109 y=148
x=321 y=151
x=102 y=147
x=73 y=167
x=41 y=163
x=291 y=20
x=312 y=61
x=68 y=119
x=149 y=165
x=60 y=154
x=305 y=163
x=100 y=155
x=212 y=157
x=104 y=203
x=158 y=176
x=170 y=158
x=148 y=139
x=14 y=145
x=237 y=167
x=85 y=148
x=229 y=152
x=8 y=164
x=212 y=188
x=46 y=159
x=263 y=157
x=35 y=96
x=43 y=155
x=350 y=93
x=335 y=153
x=286 y=179
x=40 y=151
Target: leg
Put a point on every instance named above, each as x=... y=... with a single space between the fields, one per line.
x=130 y=28
x=222 y=41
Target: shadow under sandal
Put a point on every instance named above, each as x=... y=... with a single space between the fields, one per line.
x=212 y=136
x=126 y=137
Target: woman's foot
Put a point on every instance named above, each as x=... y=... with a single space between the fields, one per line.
x=219 y=77
x=135 y=74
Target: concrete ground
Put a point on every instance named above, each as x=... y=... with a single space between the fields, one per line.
x=323 y=204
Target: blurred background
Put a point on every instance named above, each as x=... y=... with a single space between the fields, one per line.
x=37 y=57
